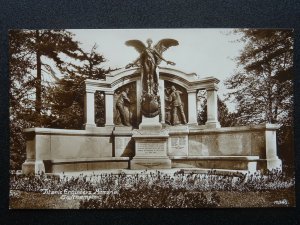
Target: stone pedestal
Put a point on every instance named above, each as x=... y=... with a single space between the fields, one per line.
x=150 y=125
x=32 y=166
x=273 y=162
x=151 y=144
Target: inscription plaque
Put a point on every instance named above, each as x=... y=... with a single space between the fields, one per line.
x=150 y=149
x=151 y=144
x=178 y=145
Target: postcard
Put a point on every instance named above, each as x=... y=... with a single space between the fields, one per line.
x=151 y=118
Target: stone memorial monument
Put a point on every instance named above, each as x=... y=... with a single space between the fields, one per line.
x=150 y=139
x=151 y=122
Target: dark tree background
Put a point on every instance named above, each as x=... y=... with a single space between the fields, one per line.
x=226 y=118
x=38 y=97
x=263 y=89
x=67 y=97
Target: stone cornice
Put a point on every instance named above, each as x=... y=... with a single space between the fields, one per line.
x=121 y=77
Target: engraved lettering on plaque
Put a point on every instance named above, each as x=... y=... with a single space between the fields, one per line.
x=178 y=145
x=146 y=148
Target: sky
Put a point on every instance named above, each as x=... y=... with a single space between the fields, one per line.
x=206 y=52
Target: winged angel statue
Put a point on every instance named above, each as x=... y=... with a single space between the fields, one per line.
x=150 y=58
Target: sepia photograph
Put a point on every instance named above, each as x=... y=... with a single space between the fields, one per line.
x=151 y=118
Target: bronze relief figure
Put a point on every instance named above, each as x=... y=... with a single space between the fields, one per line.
x=174 y=107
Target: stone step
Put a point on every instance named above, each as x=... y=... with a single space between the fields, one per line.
x=213 y=172
x=82 y=164
x=144 y=172
x=79 y=160
x=249 y=158
x=248 y=163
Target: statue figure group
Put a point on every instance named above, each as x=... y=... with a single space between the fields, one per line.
x=175 y=105
x=150 y=58
x=121 y=105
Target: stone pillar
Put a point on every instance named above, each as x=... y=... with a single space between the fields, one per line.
x=37 y=149
x=212 y=108
x=192 y=107
x=138 y=100
x=273 y=162
x=162 y=99
x=109 y=108
x=89 y=109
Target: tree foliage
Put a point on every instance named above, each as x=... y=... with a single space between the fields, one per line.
x=259 y=94
x=33 y=54
x=21 y=101
x=68 y=96
x=263 y=87
x=38 y=97
x=226 y=118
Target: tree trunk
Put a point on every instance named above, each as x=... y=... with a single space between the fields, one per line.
x=38 y=83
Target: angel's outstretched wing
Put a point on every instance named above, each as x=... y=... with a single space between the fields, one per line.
x=137 y=44
x=164 y=44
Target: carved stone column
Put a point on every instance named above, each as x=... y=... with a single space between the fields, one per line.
x=212 y=108
x=192 y=107
x=161 y=90
x=109 y=109
x=89 y=109
x=138 y=100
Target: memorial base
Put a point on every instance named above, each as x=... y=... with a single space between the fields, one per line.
x=150 y=163
x=151 y=151
x=151 y=143
x=274 y=164
x=31 y=166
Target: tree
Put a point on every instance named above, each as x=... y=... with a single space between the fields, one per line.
x=51 y=44
x=21 y=91
x=225 y=118
x=44 y=49
x=263 y=88
x=67 y=98
x=32 y=55
x=259 y=96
